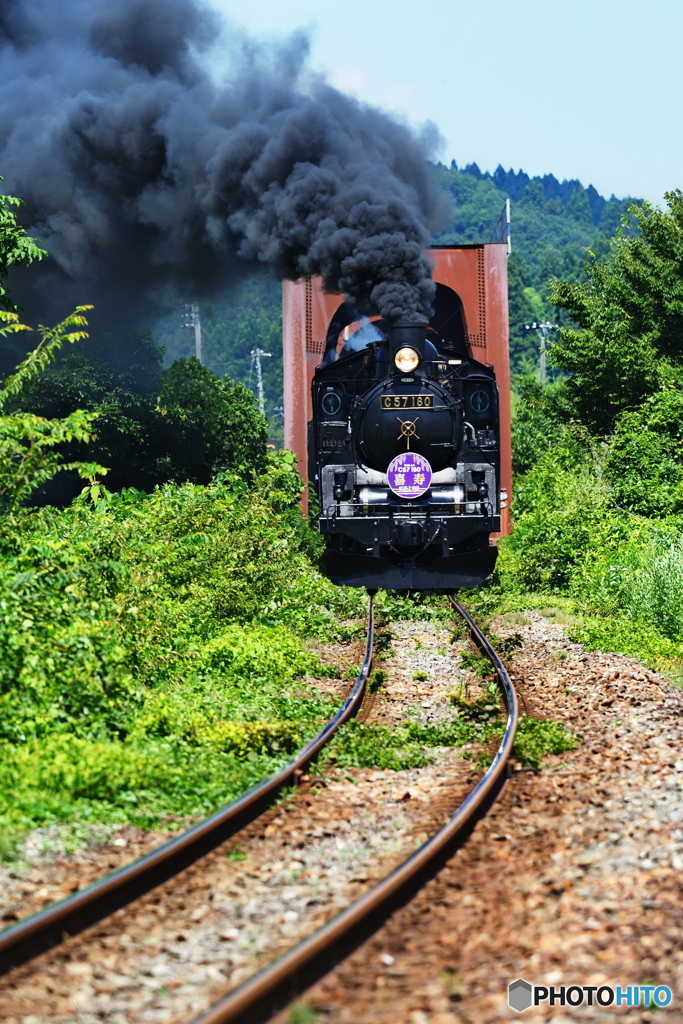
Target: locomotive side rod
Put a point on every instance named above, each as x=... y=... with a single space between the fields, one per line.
x=47 y=928
x=263 y=995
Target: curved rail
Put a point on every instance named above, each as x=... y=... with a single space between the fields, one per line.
x=33 y=935
x=258 y=998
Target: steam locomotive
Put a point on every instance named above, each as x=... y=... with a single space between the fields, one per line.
x=404 y=451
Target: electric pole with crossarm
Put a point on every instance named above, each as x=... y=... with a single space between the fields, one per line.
x=543 y=329
x=257 y=354
x=193 y=320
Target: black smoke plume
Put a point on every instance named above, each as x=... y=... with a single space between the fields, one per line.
x=140 y=168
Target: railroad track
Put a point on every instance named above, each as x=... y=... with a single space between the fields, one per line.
x=47 y=928
x=263 y=995
x=257 y=999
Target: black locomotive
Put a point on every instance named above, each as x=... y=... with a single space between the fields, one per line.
x=404 y=450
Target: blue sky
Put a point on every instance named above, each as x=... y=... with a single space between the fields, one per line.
x=588 y=90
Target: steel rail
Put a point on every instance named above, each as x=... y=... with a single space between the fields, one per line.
x=47 y=928
x=257 y=999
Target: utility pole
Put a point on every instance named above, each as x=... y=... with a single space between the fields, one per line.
x=501 y=232
x=257 y=354
x=194 y=321
x=542 y=329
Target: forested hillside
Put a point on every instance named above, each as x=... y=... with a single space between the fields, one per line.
x=553 y=223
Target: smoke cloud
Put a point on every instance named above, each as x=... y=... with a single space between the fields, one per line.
x=141 y=169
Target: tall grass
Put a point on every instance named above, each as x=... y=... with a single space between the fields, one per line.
x=624 y=571
x=655 y=593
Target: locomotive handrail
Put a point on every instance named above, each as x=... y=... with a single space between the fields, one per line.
x=46 y=928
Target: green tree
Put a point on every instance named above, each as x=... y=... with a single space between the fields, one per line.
x=206 y=425
x=153 y=425
x=16 y=248
x=31 y=447
x=645 y=459
x=539 y=414
x=247 y=315
x=628 y=338
x=525 y=306
x=115 y=375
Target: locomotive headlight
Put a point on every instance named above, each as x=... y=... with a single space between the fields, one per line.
x=406 y=359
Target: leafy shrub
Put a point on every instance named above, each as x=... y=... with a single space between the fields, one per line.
x=16 y=248
x=481 y=710
x=538 y=415
x=153 y=425
x=478 y=664
x=378 y=678
x=632 y=638
x=365 y=745
x=626 y=342
x=64 y=777
x=256 y=656
x=31 y=446
x=536 y=737
x=560 y=507
x=151 y=655
x=417 y=606
x=645 y=460
x=205 y=424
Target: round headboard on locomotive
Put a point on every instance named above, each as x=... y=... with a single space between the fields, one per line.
x=403 y=428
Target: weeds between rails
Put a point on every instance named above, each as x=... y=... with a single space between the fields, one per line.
x=257 y=999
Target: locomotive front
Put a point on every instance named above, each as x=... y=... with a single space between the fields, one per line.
x=405 y=457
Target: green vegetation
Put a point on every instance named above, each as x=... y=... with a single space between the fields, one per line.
x=476 y=721
x=302 y=1013
x=246 y=316
x=152 y=649
x=378 y=678
x=365 y=745
x=153 y=425
x=109 y=406
x=31 y=446
x=598 y=497
x=16 y=248
x=537 y=737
